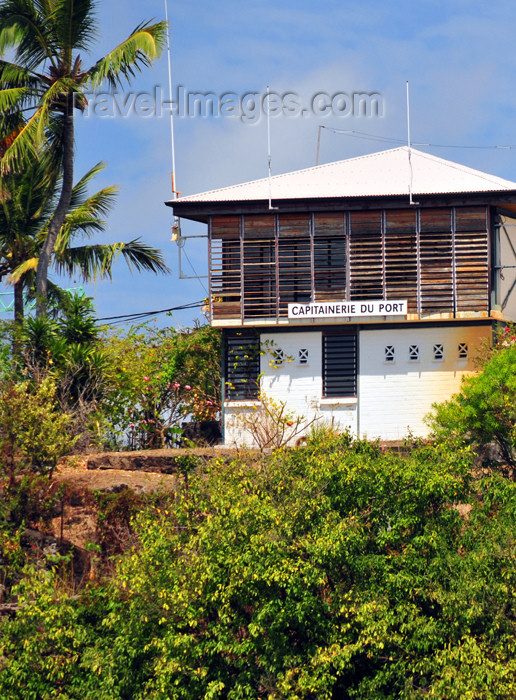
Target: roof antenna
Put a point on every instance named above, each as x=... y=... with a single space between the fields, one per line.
x=176 y=228
x=321 y=127
x=269 y=158
x=177 y=236
x=411 y=201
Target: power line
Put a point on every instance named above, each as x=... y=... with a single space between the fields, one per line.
x=387 y=139
x=198 y=277
x=145 y=314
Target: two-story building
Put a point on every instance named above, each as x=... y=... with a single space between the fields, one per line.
x=369 y=282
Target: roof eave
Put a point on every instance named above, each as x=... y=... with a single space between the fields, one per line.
x=200 y=211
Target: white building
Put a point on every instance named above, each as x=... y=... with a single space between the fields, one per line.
x=368 y=286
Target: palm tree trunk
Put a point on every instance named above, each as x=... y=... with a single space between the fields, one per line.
x=60 y=212
x=18 y=303
x=18 y=317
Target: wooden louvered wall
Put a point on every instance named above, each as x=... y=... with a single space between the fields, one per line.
x=437 y=259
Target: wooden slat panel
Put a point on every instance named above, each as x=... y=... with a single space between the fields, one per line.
x=471 y=219
x=339 y=364
x=242 y=366
x=330 y=257
x=400 y=221
x=259 y=277
x=435 y=220
x=225 y=227
x=366 y=221
x=294 y=261
x=297 y=225
x=329 y=225
x=436 y=257
x=259 y=227
x=472 y=275
x=330 y=271
x=401 y=257
x=366 y=262
x=226 y=281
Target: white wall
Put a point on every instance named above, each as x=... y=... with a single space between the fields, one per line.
x=300 y=385
x=394 y=398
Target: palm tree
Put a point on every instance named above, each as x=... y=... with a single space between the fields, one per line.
x=47 y=79
x=27 y=205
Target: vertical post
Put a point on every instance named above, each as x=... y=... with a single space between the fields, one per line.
x=312 y=257
x=276 y=264
x=321 y=127
x=418 y=260
x=242 y=272
x=210 y=296
x=454 y=263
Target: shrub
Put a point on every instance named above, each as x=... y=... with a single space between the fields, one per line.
x=484 y=411
x=33 y=431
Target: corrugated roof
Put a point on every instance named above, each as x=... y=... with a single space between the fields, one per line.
x=386 y=173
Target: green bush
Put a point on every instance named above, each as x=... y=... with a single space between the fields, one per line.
x=484 y=411
x=34 y=433
x=315 y=573
x=158 y=378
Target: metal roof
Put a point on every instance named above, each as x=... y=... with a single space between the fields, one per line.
x=387 y=173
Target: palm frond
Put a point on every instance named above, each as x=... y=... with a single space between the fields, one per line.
x=80 y=189
x=136 y=52
x=100 y=203
x=142 y=257
x=74 y=24
x=25 y=26
x=31 y=137
x=26 y=266
x=13 y=75
x=12 y=96
x=96 y=261
x=85 y=217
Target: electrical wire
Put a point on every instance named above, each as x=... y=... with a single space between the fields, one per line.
x=198 y=277
x=386 y=139
x=145 y=314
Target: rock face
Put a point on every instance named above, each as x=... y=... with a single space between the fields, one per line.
x=160 y=461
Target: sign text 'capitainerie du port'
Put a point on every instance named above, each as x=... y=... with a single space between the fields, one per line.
x=349 y=309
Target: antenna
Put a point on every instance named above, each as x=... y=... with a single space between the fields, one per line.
x=411 y=201
x=177 y=236
x=321 y=127
x=269 y=157
x=176 y=228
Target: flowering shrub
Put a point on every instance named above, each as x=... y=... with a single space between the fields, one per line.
x=161 y=377
x=271 y=425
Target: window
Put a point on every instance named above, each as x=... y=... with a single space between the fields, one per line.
x=438 y=351
x=303 y=356
x=242 y=367
x=413 y=353
x=390 y=354
x=278 y=357
x=463 y=351
x=339 y=364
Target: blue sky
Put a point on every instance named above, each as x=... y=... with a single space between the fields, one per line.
x=458 y=56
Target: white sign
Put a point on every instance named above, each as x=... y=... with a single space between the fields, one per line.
x=350 y=309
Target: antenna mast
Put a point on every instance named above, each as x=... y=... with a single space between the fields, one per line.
x=269 y=157
x=411 y=201
x=172 y=142
x=177 y=236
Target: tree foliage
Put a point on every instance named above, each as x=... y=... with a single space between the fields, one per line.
x=47 y=81
x=484 y=411
x=34 y=432
x=331 y=571
x=159 y=378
